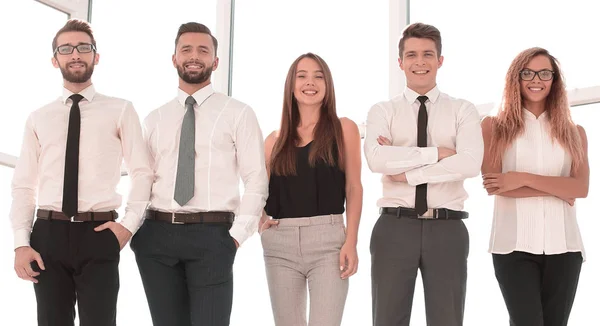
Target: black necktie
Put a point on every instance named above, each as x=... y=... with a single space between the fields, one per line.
x=69 y=205
x=421 y=192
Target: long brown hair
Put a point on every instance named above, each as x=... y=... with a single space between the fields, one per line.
x=509 y=123
x=327 y=134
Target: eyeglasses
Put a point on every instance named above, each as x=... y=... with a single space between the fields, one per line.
x=68 y=49
x=545 y=75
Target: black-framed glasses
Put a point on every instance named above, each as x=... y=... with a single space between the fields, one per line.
x=68 y=48
x=528 y=74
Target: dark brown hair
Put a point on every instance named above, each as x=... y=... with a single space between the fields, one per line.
x=327 y=134
x=74 y=25
x=193 y=27
x=420 y=30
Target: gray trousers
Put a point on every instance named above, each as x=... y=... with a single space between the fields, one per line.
x=301 y=251
x=401 y=246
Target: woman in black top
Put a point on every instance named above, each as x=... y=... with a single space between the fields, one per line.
x=314 y=165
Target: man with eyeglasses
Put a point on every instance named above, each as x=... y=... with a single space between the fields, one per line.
x=70 y=162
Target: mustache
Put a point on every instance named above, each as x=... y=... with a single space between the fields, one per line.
x=192 y=62
x=77 y=62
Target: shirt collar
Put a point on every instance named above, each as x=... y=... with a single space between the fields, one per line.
x=200 y=95
x=530 y=116
x=411 y=95
x=88 y=93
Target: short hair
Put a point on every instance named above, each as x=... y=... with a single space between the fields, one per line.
x=420 y=30
x=74 y=25
x=193 y=27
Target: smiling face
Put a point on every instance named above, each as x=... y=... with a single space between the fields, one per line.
x=76 y=68
x=420 y=62
x=535 y=90
x=309 y=83
x=195 y=58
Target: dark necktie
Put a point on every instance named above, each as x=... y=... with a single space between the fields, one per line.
x=70 y=185
x=421 y=192
x=184 y=182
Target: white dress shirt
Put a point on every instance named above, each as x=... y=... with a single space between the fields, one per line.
x=537 y=225
x=453 y=123
x=229 y=145
x=110 y=132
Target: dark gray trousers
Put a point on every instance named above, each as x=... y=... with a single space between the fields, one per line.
x=186 y=271
x=401 y=246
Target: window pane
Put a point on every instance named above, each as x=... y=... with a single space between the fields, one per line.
x=480 y=43
x=352 y=37
x=28 y=75
x=136 y=41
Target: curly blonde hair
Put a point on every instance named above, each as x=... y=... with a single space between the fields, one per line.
x=508 y=124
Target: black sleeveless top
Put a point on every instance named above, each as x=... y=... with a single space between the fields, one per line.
x=318 y=190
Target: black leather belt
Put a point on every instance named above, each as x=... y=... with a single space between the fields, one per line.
x=184 y=218
x=431 y=214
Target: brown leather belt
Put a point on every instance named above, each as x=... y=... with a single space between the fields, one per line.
x=80 y=217
x=184 y=218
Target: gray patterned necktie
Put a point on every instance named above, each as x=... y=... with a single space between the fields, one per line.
x=184 y=182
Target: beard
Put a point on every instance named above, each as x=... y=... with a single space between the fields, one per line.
x=194 y=77
x=77 y=77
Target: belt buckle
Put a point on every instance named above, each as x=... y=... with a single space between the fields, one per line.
x=431 y=214
x=173 y=219
x=72 y=219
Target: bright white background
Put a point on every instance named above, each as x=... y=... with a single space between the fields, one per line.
x=136 y=39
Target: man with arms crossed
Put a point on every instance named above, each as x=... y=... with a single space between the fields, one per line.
x=71 y=161
x=425 y=143
x=201 y=143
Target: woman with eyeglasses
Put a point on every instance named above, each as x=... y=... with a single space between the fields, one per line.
x=314 y=166
x=536 y=164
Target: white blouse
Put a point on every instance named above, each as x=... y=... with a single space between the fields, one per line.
x=537 y=225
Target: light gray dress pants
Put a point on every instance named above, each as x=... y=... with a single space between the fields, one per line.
x=300 y=252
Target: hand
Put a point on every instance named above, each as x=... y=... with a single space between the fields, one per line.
x=384 y=141
x=123 y=235
x=267 y=224
x=503 y=182
x=444 y=152
x=23 y=258
x=348 y=260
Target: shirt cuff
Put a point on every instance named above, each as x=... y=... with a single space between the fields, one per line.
x=415 y=177
x=22 y=238
x=240 y=232
x=131 y=222
x=430 y=155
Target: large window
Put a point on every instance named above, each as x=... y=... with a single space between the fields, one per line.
x=480 y=39
x=27 y=70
